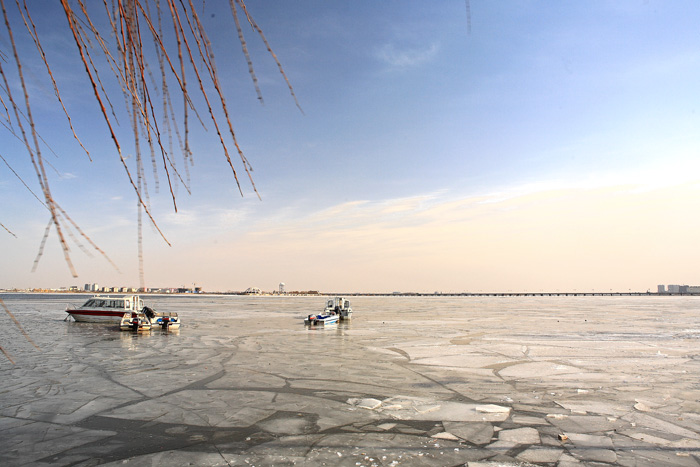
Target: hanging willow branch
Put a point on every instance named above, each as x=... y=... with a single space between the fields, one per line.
x=125 y=42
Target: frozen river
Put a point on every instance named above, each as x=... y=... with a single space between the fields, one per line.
x=565 y=381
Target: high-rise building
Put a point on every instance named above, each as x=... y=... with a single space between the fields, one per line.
x=661 y=288
x=282 y=287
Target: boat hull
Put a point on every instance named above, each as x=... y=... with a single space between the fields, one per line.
x=321 y=320
x=96 y=316
x=166 y=322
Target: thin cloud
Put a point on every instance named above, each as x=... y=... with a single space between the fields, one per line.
x=407 y=57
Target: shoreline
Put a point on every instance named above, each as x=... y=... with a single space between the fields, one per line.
x=361 y=294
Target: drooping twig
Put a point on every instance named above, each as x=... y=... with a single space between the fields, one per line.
x=8 y=230
x=255 y=26
x=19 y=138
x=37 y=43
x=23 y=183
x=85 y=236
x=42 y=245
x=241 y=39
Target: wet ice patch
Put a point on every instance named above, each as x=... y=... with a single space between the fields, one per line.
x=475 y=433
x=596 y=407
x=416 y=408
x=368 y=403
x=445 y=435
x=287 y=425
x=520 y=436
x=538 y=370
x=492 y=408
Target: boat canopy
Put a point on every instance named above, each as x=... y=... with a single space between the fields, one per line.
x=339 y=302
x=115 y=302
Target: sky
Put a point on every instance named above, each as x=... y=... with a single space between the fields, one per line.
x=527 y=146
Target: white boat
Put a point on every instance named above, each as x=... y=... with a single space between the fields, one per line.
x=321 y=320
x=133 y=321
x=105 y=309
x=166 y=321
x=339 y=306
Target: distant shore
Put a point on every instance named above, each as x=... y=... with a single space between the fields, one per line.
x=367 y=294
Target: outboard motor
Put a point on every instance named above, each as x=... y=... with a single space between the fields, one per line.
x=165 y=322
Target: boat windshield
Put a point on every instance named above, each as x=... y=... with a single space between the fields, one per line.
x=104 y=303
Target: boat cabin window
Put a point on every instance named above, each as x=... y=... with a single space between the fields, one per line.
x=96 y=302
x=128 y=304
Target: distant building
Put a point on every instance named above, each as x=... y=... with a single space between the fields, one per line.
x=674 y=288
x=282 y=288
x=661 y=288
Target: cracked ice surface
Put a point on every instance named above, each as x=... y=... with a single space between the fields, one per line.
x=410 y=381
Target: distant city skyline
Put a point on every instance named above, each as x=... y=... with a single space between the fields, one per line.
x=281 y=289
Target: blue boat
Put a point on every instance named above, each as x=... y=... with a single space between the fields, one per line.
x=321 y=320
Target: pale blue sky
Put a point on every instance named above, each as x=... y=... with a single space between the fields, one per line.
x=424 y=154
